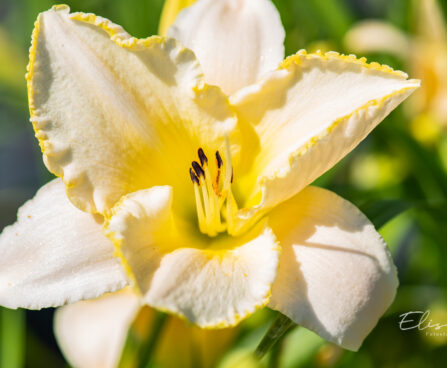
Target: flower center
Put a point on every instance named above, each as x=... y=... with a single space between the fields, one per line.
x=216 y=207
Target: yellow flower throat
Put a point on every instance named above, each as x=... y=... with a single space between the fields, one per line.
x=216 y=206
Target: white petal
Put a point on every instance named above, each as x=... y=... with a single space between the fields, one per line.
x=212 y=282
x=114 y=114
x=91 y=334
x=55 y=254
x=336 y=276
x=141 y=228
x=216 y=288
x=235 y=41
x=308 y=115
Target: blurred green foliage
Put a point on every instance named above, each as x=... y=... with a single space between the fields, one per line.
x=401 y=173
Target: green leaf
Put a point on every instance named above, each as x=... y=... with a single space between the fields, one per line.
x=381 y=211
x=426 y=166
x=334 y=15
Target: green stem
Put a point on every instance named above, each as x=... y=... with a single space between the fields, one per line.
x=147 y=348
x=275 y=356
x=12 y=338
x=278 y=328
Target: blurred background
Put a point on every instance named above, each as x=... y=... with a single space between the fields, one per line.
x=397 y=176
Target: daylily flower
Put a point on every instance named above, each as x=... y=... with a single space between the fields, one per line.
x=425 y=51
x=205 y=197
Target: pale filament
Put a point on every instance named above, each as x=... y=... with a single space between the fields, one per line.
x=216 y=207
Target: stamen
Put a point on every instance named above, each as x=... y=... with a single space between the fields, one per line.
x=219 y=160
x=198 y=169
x=214 y=198
x=228 y=173
x=229 y=168
x=208 y=212
x=199 y=173
x=213 y=219
x=202 y=157
x=219 y=164
x=200 y=214
x=194 y=177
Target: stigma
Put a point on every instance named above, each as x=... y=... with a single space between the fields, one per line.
x=215 y=203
